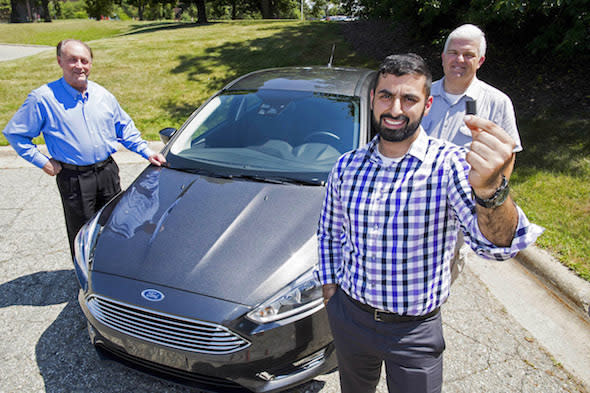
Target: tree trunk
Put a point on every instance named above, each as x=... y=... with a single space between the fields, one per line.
x=46 y=16
x=201 y=11
x=265 y=9
x=18 y=12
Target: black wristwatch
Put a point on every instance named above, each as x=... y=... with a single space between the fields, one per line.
x=497 y=199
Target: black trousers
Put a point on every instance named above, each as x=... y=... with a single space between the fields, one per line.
x=84 y=190
x=412 y=350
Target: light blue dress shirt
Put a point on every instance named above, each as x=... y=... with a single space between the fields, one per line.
x=78 y=128
x=445 y=119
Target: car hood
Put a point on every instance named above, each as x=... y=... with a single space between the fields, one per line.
x=234 y=240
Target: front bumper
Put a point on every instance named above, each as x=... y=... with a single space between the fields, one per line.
x=280 y=355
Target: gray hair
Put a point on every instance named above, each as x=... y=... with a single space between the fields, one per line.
x=468 y=32
x=63 y=42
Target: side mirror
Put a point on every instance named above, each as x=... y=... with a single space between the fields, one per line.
x=166 y=134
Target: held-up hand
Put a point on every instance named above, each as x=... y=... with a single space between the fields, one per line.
x=52 y=167
x=490 y=156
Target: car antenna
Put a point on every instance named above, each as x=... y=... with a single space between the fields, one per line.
x=332 y=55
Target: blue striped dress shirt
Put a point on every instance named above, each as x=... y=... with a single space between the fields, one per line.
x=79 y=129
x=386 y=234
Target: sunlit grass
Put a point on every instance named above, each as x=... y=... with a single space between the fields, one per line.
x=161 y=72
x=552 y=185
x=51 y=33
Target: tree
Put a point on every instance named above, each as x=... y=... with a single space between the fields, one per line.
x=201 y=11
x=201 y=8
x=539 y=26
x=99 y=8
x=28 y=10
x=140 y=5
x=272 y=9
x=45 y=11
x=20 y=11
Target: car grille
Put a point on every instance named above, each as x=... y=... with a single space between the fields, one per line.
x=164 y=329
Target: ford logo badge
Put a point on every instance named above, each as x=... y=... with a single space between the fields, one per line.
x=153 y=295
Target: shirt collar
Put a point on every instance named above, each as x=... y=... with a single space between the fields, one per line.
x=73 y=92
x=473 y=90
x=417 y=149
x=438 y=88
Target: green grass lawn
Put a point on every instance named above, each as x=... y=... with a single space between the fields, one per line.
x=551 y=183
x=161 y=71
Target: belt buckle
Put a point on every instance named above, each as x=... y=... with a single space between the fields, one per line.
x=377 y=316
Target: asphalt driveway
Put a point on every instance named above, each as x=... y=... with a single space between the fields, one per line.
x=11 y=52
x=45 y=346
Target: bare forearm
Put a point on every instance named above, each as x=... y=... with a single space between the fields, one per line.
x=498 y=224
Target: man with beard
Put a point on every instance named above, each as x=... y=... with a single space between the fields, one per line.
x=388 y=228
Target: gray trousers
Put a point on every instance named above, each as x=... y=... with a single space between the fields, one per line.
x=412 y=351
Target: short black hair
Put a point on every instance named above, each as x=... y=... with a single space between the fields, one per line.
x=404 y=64
x=63 y=42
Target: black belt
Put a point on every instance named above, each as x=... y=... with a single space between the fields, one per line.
x=387 y=316
x=86 y=168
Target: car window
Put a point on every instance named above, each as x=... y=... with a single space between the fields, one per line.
x=271 y=131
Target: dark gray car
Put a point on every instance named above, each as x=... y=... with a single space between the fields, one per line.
x=202 y=271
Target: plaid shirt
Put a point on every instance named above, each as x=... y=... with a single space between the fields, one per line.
x=387 y=234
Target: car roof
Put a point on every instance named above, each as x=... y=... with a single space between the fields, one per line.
x=330 y=80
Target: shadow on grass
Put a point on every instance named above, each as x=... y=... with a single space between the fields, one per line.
x=178 y=112
x=159 y=26
x=292 y=46
x=554 y=145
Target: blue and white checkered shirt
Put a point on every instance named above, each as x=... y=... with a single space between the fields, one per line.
x=387 y=234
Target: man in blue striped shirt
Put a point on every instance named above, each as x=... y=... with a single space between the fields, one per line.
x=388 y=230
x=82 y=124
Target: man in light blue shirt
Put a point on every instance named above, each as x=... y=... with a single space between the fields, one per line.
x=82 y=124
x=463 y=54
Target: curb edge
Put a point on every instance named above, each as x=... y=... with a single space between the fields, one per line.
x=562 y=280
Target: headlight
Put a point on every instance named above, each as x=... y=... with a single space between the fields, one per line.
x=84 y=248
x=301 y=298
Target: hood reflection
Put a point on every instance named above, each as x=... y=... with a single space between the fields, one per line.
x=137 y=207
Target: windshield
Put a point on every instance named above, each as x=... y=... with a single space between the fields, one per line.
x=287 y=134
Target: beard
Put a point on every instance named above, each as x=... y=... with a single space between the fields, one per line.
x=395 y=135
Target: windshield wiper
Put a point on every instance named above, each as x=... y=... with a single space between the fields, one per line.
x=204 y=172
x=254 y=177
x=258 y=178
x=281 y=180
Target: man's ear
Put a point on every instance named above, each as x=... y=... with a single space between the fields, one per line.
x=371 y=96
x=428 y=105
x=481 y=60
